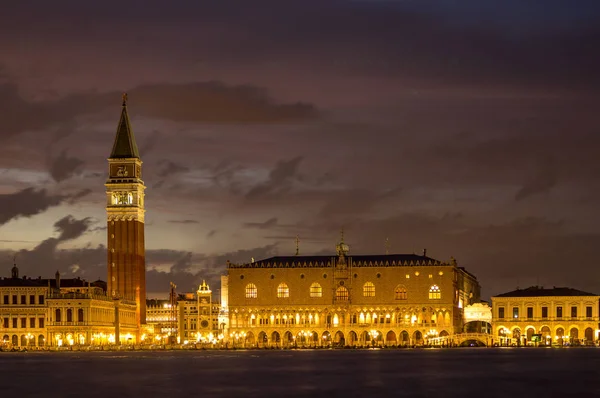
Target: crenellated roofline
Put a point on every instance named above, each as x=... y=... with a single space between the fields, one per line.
x=388 y=260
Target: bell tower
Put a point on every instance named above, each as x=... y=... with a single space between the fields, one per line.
x=125 y=219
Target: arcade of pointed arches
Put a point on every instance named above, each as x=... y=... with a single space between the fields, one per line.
x=312 y=338
x=375 y=326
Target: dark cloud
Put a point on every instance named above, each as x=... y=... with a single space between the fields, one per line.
x=72 y=199
x=71 y=228
x=271 y=222
x=64 y=166
x=215 y=102
x=26 y=203
x=184 y=221
x=280 y=178
x=211 y=234
x=208 y=102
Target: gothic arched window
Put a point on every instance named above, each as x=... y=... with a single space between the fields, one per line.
x=283 y=291
x=251 y=291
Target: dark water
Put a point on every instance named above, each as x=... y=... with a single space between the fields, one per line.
x=506 y=373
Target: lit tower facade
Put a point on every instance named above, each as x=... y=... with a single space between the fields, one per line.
x=125 y=219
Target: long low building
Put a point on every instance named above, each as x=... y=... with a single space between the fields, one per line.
x=538 y=316
x=362 y=300
x=62 y=312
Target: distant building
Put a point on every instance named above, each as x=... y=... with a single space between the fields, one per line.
x=557 y=316
x=62 y=312
x=194 y=318
x=362 y=300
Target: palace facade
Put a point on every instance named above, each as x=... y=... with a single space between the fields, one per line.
x=395 y=299
x=537 y=316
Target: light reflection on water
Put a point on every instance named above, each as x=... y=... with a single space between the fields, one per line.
x=521 y=372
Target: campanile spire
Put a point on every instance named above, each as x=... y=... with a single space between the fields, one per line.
x=125 y=219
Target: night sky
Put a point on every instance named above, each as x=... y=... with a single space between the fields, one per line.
x=469 y=129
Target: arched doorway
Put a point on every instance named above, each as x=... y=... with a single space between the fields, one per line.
x=529 y=333
x=560 y=332
x=15 y=340
x=352 y=338
x=326 y=338
x=41 y=340
x=574 y=336
x=249 y=342
x=444 y=338
x=339 y=339
x=275 y=339
x=589 y=336
x=314 y=339
x=516 y=335
x=390 y=338
x=404 y=338
x=287 y=339
x=546 y=335
x=23 y=340
x=262 y=340
x=365 y=338
x=5 y=339
x=418 y=338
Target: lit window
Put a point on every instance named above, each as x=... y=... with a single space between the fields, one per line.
x=341 y=294
x=434 y=292
x=283 y=291
x=251 y=291
x=369 y=289
x=316 y=290
x=400 y=293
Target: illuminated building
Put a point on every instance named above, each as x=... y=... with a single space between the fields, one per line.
x=392 y=299
x=62 y=312
x=161 y=319
x=195 y=318
x=23 y=310
x=198 y=316
x=125 y=219
x=538 y=316
x=72 y=312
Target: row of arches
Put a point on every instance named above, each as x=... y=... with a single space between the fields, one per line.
x=403 y=317
x=341 y=293
x=26 y=340
x=560 y=336
x=326 y=338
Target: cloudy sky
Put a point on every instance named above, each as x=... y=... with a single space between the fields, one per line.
x=464 y=127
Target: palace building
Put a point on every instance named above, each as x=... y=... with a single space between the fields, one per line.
x=538 y=316
x=343 y=300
